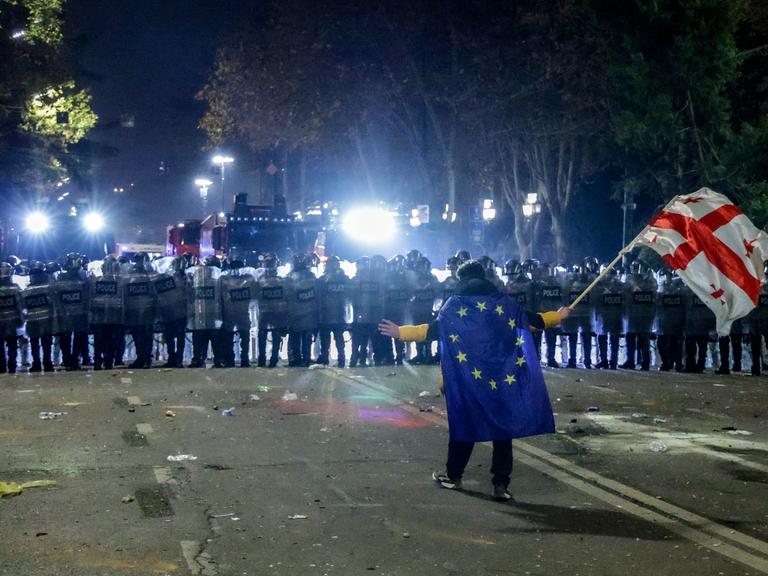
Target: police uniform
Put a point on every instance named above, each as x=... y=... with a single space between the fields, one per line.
x=107 y=309
x=172 y=290
x=38 y=301
x=398 y=294
x=609 y=318
x=205 y=315
x=71 y=306
x=302 y=313
x=520 y=287
x=333 y=295
x=272 y=298
x=368 y=309
x=140 y=310
x=425 y=291
x=671 y=324
x=548 y=293
x=580 y=320
x=11 y=319
x=640 y=303
x=237 y=291
x=758 y=328
x=699 y=322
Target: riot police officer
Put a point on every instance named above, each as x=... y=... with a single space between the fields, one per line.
x=489 y=265
x=71 y=321
x=581 y=318
x=671 y=324
x=609 y=318
x=237 y=291
x=367 y=298
x=398 y=293
x=172 y=291
x=422 y=311
x=333 y=296
x=519 y=284
x=463 y=256
x=11 y=319
x=206 y=312
x=449 y=284
x=758 y=325
x=699 y=322
x=272 y=297
x=140 y=309
x=38 y=303
x=107 y=309
x=548 y=295
x=302 y=311
x=640 y=302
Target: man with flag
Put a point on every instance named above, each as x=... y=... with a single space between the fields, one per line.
x=492 y=379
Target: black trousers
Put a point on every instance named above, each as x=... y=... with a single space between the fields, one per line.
x=8 y=360
x=201 y=339
x=277 y=340
x=501 y=461
x=586 y=348
x=726 y=343
x=537 y=336
x=81 y=347
x=337 y=330
x=361 y=335
x=142 y=338
x=119 y=346
x=300 y=348
x=42 y=344
x=608 y=348
x=671 y=351
x=551 y=339
x=175 y=336
x=638 y=350
x=755 y=345
x=695 y=353
x=105 y=341
x=227 y=342
x=70 y=344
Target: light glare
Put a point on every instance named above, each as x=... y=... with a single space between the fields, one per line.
x=93 y=222
x=369 y=225
x=37 y=222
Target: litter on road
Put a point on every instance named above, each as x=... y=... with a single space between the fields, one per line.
x=181 y=458
x=14 y=488
x=50 y=415
x=297 y=517
x=254 y=398
x=228 y=412
x=288 y=396
x=657 y=446
x=263 y=388
x=170 y=413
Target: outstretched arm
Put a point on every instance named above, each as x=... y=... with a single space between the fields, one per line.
x=409 y=333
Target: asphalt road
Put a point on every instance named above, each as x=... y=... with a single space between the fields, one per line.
x=649 y=473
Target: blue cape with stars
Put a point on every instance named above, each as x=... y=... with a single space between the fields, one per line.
x=494 y=388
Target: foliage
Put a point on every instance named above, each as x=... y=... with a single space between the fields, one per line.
x=60 y=114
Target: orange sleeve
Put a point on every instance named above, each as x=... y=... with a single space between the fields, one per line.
x=414 y=333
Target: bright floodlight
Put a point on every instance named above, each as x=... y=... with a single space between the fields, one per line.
x=93 y=222
x=221 y=160
x=37 y=222
x=204 y=182
x=369 y=225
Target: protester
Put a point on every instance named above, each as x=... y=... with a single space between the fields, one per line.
x=493 y=383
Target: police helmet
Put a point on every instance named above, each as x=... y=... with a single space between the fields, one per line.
x=378 y=263
x=110 y=265
x=591 y=264
x=86 y=260
x=530 y=265
x=363 y=264
x=637 y=267
x=178 y=264
x=299 y=262
x=396 y=263
x=141 y=259
x=411 y=258
x=423 y=265
x=36 y=267
x=452 y=264
x=236 y=263
x=512 y=267
x=487 y=263
x=6 y=270
x=74 y=261
x=463 y=256
x=212 y=261
x=52 y=267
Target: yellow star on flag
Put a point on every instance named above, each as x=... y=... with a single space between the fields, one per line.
x=481 y=306
x=493 y=384
x=461 y=357
x=512 y=323
x=477 y=374
x=519 y=341
x=499 y=310
x=510 y=379
x=462 y=312
x=454 y=338
x=520 y=361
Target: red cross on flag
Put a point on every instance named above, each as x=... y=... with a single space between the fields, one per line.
x=715 y=250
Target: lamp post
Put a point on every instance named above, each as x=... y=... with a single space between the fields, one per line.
x=203 y=183
x=221 y=162
x=531 y=207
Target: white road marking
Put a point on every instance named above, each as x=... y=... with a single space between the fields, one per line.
x=144 y=428
x=126 y=381
x=134 y=400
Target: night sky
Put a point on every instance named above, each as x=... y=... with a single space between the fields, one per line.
x=148 y=59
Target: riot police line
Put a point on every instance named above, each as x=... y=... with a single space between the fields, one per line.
x=66 y=311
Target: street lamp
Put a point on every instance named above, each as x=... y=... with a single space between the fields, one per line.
x=221 y=162
x=531 y=206
x=489 y=212
x=203 y=183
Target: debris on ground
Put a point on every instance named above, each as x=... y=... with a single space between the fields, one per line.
x=297 y=517
x=424 y=393
x=127 y=499
x=657 y=446
x=593 y=409
x=222 y=515
x=263 y=388
x=390 y=374
x=288 y=396
x=659 y=420
x=170 y=413
x=639 y=415
x=254 y=398
x=426 y=408
x=579 y=379
x=14 y=488
x=739 y=432
x=181 y=458
x=228 y=412
x=317 y=366
x=50 y=415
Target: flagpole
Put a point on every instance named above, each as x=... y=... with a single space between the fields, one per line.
x=619 y=256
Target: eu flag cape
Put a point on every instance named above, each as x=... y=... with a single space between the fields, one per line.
x=494 y=388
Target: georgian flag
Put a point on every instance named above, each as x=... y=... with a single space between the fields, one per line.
x=714 y=248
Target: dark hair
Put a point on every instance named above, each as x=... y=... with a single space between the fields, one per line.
x=471 y=269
